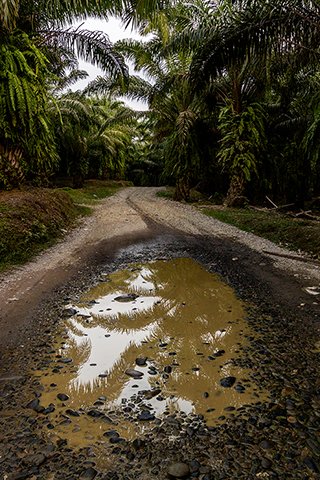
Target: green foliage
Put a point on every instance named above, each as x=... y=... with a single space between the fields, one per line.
x=26 y=139
x=293 y=233
x=94 y=135
x=91 y=193
x=242 y=139
x=31 y=220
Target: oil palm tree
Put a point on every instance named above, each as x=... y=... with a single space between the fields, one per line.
x=177 y=116
x=241 y=40
x=93 y=136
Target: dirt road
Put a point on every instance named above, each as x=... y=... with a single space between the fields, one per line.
x=134 y=225
x=131 y=215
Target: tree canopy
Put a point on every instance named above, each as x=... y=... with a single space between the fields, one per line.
x=231 y=88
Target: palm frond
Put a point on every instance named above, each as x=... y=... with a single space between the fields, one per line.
x=93 y=47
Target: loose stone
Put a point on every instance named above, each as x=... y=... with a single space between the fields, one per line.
x=178 y=470
x=65 y=360
x=141 y=361
x=145 y=415
x=63 y=397
x=88 y=474
x=126 y=298
x=69 y=311
x=73 y=413
x=134 y=373
x=227 y=382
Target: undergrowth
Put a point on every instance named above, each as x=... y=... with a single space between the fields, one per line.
x=294 y=233
x=33 y=219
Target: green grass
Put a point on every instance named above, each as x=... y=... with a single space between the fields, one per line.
x=167 y=193
x=91 y=194
x=297 y=234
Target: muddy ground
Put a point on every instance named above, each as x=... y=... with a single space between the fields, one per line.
x=275 y=439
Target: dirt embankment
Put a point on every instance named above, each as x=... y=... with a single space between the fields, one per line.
x=31 y=220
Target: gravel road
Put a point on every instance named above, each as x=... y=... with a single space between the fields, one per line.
x=134 y=211
x=277 y=439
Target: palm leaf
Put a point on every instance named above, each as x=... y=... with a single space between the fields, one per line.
x=93 y=47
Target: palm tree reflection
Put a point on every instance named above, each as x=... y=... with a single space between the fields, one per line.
x=179 y=304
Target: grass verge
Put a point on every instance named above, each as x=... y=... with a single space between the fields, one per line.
x=296 y=234
x=93 y=191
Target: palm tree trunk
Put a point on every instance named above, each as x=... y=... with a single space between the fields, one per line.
x=12 y=173
x=235 y=196
x=182 y=191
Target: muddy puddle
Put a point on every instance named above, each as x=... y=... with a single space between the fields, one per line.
x=155 y=339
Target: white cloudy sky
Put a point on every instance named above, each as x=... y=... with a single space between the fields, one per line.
x=116 y=31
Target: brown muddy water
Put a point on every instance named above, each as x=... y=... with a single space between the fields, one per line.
x=178 y=325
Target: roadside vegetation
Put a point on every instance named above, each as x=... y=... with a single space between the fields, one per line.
x=232 y=89
x=294 y=233
x=32 y=219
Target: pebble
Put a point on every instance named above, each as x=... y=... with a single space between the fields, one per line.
x=88 y=474
x=178 y=470
x=126 y=298
x=69 y=311
x=134 y=373
x=266 y=463
x=73 y=413
x=65 y=360
x=111 y=434
x=145 y=415
x=62 y=397
x=95 y=413
x=227 y=382
x=141 y=361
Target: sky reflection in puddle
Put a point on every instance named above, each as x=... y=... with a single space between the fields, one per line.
x=185 y=321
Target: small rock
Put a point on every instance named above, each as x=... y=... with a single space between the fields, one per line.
x=73 y=413
x=219 y=353
x=34 y=404
x=227 y=382
x=240 y=388
x=141 y=361
x=178 y=470
x=266 y=463
x=152 y=393
x=134 y=373
x=126 y=298
x=49 y=409
x=145 y=415
x=95 y=413
x=69 y=311
x=266 y=444
x=65 y=360
x=111 y=434
x=88 y=474
x=63 y=397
